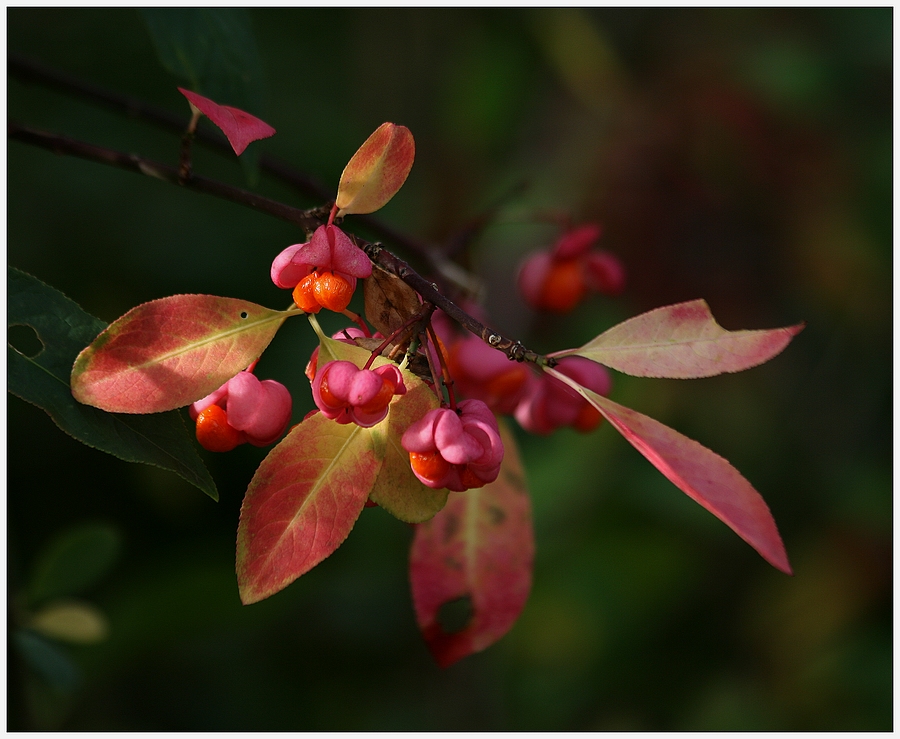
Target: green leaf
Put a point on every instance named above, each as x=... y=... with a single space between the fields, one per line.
x=42 y=379
x=213 y=49
x=332 y=350
x=74 y=561
x=215 y=52
x=170 y=352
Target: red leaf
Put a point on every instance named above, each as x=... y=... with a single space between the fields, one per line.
x=302 y=503
x=682 y=341
x=167 y=353
x=480 y=548
x=376 y=171
x=705 y=476
x=240 y=128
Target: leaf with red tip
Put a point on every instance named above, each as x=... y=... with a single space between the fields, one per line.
x=376 y=171
x=302 y=503
x=700 y=473
x=476 y=555
x=239 y=127
x=682 y=341
x=167 y=353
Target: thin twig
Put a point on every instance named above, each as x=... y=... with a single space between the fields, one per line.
x=430 y=293
x=309 y=220
x=133 y=163
x=28 y=70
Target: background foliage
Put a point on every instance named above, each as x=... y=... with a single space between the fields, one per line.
x=739 y=155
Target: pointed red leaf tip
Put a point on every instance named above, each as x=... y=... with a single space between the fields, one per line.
x=700 y=473
x=376 y=171
x=240 y=128
x=471 y=565
x=682 y=341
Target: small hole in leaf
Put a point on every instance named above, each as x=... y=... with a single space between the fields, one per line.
x=455 y=615
x=24 y=339
x=244 y=314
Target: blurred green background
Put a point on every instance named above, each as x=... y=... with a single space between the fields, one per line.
x=739 y=155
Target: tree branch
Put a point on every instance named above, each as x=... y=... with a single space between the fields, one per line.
x=514 y=350
x=30 y=71
x=309 y=220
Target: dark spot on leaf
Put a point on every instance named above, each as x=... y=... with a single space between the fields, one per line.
x=497 y=515
x=25 y=340
x=453 y=564
x=244 y=314
x=455 y=615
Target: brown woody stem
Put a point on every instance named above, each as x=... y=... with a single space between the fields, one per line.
x=309 y=220
x=430 y=293
x=185 y=166
x=28 y=70
x=133 y=163
x=402 y=334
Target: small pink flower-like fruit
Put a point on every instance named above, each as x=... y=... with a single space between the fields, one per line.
x=348 y=394
x=557 y=280
x=549 y=404
x=455 y=449
x=323 y=272
x=244 y=409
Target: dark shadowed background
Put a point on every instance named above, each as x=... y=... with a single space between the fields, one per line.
x=739 y=155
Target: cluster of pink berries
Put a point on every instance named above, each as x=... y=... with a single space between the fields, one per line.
x=540 y=403
x=347 y=394
x=558 y=279
x=456 y=447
